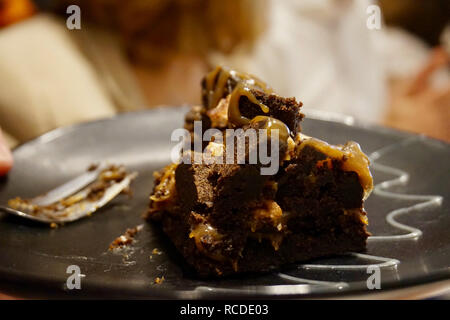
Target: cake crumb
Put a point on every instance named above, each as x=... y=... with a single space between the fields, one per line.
x=156 y=251
x=159 y=280
x=53 y=225
x=125 y=239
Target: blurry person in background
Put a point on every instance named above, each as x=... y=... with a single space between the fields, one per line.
x=127 y=56
x=136 y=54
x=169 y=43
x=419 y=65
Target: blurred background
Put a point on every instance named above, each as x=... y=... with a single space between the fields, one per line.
x=137 y=54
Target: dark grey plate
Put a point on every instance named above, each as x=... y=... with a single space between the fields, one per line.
x=34 y=258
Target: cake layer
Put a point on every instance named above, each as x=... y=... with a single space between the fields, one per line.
x=259 y=255
x=226 y=216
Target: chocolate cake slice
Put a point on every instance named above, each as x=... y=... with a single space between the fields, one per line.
x=228 y=218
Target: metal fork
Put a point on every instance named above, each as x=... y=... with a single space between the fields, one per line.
x=75 y=199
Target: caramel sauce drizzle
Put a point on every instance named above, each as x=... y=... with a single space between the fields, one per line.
x=273 y=124
x=234 y=114
x=216 y=82
x=200 y=232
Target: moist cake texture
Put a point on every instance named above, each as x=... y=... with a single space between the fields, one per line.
x=229 y=218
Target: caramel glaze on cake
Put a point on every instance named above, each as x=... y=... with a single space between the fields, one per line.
x=228 y=218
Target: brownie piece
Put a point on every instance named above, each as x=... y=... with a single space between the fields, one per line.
x=229 y=218
x=222 y=83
